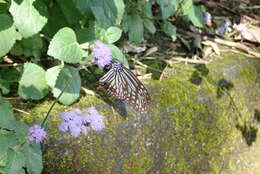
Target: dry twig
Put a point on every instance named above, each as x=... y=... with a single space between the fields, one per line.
x=190 y=60
x=24 y=112
x=87 y=91
x=234 y=44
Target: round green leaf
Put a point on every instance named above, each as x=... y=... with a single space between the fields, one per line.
x=65 y=47
x=33 y=84
x=59 y=77
x=7 y=34
x=113 y=34
x=28 y=16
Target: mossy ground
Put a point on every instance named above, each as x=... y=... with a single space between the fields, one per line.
x=203 y=120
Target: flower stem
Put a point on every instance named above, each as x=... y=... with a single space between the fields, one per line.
x=56 y=100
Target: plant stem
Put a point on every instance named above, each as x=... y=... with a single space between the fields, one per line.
x=56 y=100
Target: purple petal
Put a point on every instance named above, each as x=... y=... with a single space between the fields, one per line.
x=102 y=54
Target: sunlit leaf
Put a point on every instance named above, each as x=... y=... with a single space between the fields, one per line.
x=32 y=84
x=29 y=16
x=64 y=77
x=65 y=47
x=118 y=55
x=8 y=34
x=113 y=34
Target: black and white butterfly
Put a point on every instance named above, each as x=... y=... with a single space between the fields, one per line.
x=122 y=84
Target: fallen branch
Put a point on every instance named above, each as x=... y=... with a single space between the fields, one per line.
x=234 y=44
x=146 y=66
x=190 y=60
x=19 y=110
x=87 y=91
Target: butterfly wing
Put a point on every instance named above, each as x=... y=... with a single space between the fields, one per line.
x=137 y=95
x=124 y=85
x=112 y=82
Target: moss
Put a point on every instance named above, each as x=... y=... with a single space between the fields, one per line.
x=192 y=126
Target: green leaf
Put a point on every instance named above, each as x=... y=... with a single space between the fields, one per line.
x=186 y=5
x=118 y=55
x=58 y=78
x=17 y=49
x=7 y=140
x=33 y=158
x=83 y=6
x=148 y=24
x=169 y=30
x=52 y=75
x=120 y=6
x=7 y=77
x=147 y=10
x=29 y=16
x=168 y=7
x=65 y=47
x=4 y=86
x=105 y=12
x=21 y=130
x=32 y=46
x=70 y=11
x=7 y=119
x=55 y=22
x=9 y=74
x=3 y=8
x=195 y=15
x=100 y=33
x=85 y=35
x=113 y=34
x=15 y=162
x=135 y=28
x=32 y=84
x=7 y=34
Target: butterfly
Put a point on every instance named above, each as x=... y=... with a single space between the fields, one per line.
x=122 y=84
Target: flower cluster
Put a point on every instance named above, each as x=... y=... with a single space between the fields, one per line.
x=37 y=134
x=76 y=122
x=95 y=120
x=102 y=55
x=72 y=122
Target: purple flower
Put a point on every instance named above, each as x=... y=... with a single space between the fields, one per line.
x=207 y=18
x=72 y=122
x=76 y=122
x=102 y=54
x=95 y=120
x=37 y=134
